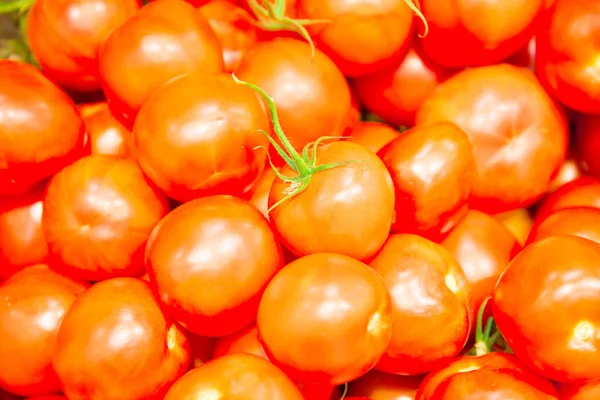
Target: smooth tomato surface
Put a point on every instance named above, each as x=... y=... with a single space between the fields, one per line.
x=372 y=135
x=587 y=142
x=569 y=171
x=581 y=192
x=107 y=135
x=244 y=341
x=579 y=221
x=260 y=191
x=376 y=385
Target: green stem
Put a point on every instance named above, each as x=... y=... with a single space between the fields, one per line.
x=415 y=6
x=15 y=5
x=345 y=392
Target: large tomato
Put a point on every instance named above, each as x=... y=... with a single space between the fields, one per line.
x=372 y=135
x=116 y=343
x=98 y=214
x=106 y=134
x=165 y=39
x=587 y=142
x=375 y=385
x=32 y=304
x=519 y=134
x=65 y=37
x=197 y=136
x=210 y=260
x=40 y=129
x=578 y=221
x=581 y=192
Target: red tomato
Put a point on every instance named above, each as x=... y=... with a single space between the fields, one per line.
x=567 y=173
x=567 y=53
x=372 y=135
x=477 y=32
x=98 y=214
x=585 y=391
x=40 y=130
x=107 y=135
x=201 y=348
x=304 y=89
x=260 y=191
x=222 y=245
x=396 y=93
x=377 y=385
x=581 y=192
x=116 y=343
x=525 y=57
x=32 y=304
x=165 y=39
x=430 y=295
x=519 y=135
x=235 y=376
x=341 y=312
x=244 y=341
x=346 y=210
x=545 y=304
x=65 y=37
x=587 y=142
x=197 y=136
x=22 y=240
x=580 y=221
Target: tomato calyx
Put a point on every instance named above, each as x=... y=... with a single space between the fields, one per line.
x=485 y=337
x=415 y=7
x=16 y=5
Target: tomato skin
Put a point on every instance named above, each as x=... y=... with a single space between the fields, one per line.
x=585 y=391
x=223 y=245
x=548 y=333
x=33 y=303
x=342 y=314
x=372 y=135
x=355 y=223
x=41 y=133
x=569 y=171
x=519 y=134
x=581 y=192
x=477 y=32
x=376 y=385
x=587 y=142
x=519 y=222
x=243 y=341
x=128 y=64
x=65 y=37
x=260 y=191
x=106 y=134
x=90 y=242
x=201 y=348
x=580 y=221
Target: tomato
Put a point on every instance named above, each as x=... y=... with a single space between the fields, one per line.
x=580 y=221
x=22 y=240
x=312 y=96
x=519 y=222
x=165 y=39
x=244 y=341
x=201 y=348
x=260 y=191
x=545 y=306
x=65 y=37
x=32 y=304
x=519 y=135
x=581 y=192
x=396 y=92
x=222 y=245
x=585 y=391
x=354 y=115
x=477 y=32
x=569 y=171
x=98 y=214
x=587 y=142
x=352 y=205
x=40 y=131
x=372 y=135
x=567 y=53
x=377 y=385
x=107 y=135
x=116 y=343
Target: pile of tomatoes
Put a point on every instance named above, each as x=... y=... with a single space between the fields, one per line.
x=302 y=199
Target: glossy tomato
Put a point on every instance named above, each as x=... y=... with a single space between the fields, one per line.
x=518 y=133
x=165 y=39
x=32 y=304
x=375 y=385
x=40 y=129
x=519 y=222
x=579 y=221
x=583 y=391
x=581 y=192
x=106 y=134
x=372 y=135
x=98 y=214
x=569 y=171
x=341 y=312
x=587 y=142
x=116 y=343
x=260 y=191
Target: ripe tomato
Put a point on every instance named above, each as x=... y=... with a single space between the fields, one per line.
x=579 y=221
x=260 y=191
x=235 y=376
x=65 y=37
x=372 y=135
x=396 y=92
x=107 y=135
x=581 y=192
x=98 y=214
x=584 y=391
x=196 y=136
x=244 y=341
x=567 y=53
x=477 y=32
x=519 y=135
x=222 y=245
x=40 y=130
x=165 y=39
x=116 y=343
x=375 y=385
x=32 y=304
x=201 y=349
x=587 y=142
x=352 y=205
x=545 y=304
x=519 y=222
x=569 y=171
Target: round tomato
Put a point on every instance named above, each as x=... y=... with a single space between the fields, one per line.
x=107 y=135
x=116 y=343
x=578 y=221
x=519 y=222
x=372 y=135
x=260 y=191
x=32 y=304
x=519 y=135
x=587 y=141
x=244 y=341
x=582 y=391
x=98 y=214
x=375 y=385
x=581 y=192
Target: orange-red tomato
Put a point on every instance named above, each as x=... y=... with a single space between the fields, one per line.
x=519 y=135
x=568 y=51
x=165 y=39
x=341 y=314
x=98 y=214
x=352 y=205
x=477 y=32
x=396 y=93
x=375 y=385
x=587 y=142
x=235 y=376
x=584 y=391
x=581 y=192
x=569 y=171
x=210 y=260
x=32 y=304
x=429 y=295
x=244 y=341
x=65 y=37
x=519 y=222
x=260 y=191
x=545 y=305
x=372 y=135
x=116 y=343
x=578 y=221
x=106 y=134
x=40 y=130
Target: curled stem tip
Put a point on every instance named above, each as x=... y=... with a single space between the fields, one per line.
x=415 y=6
